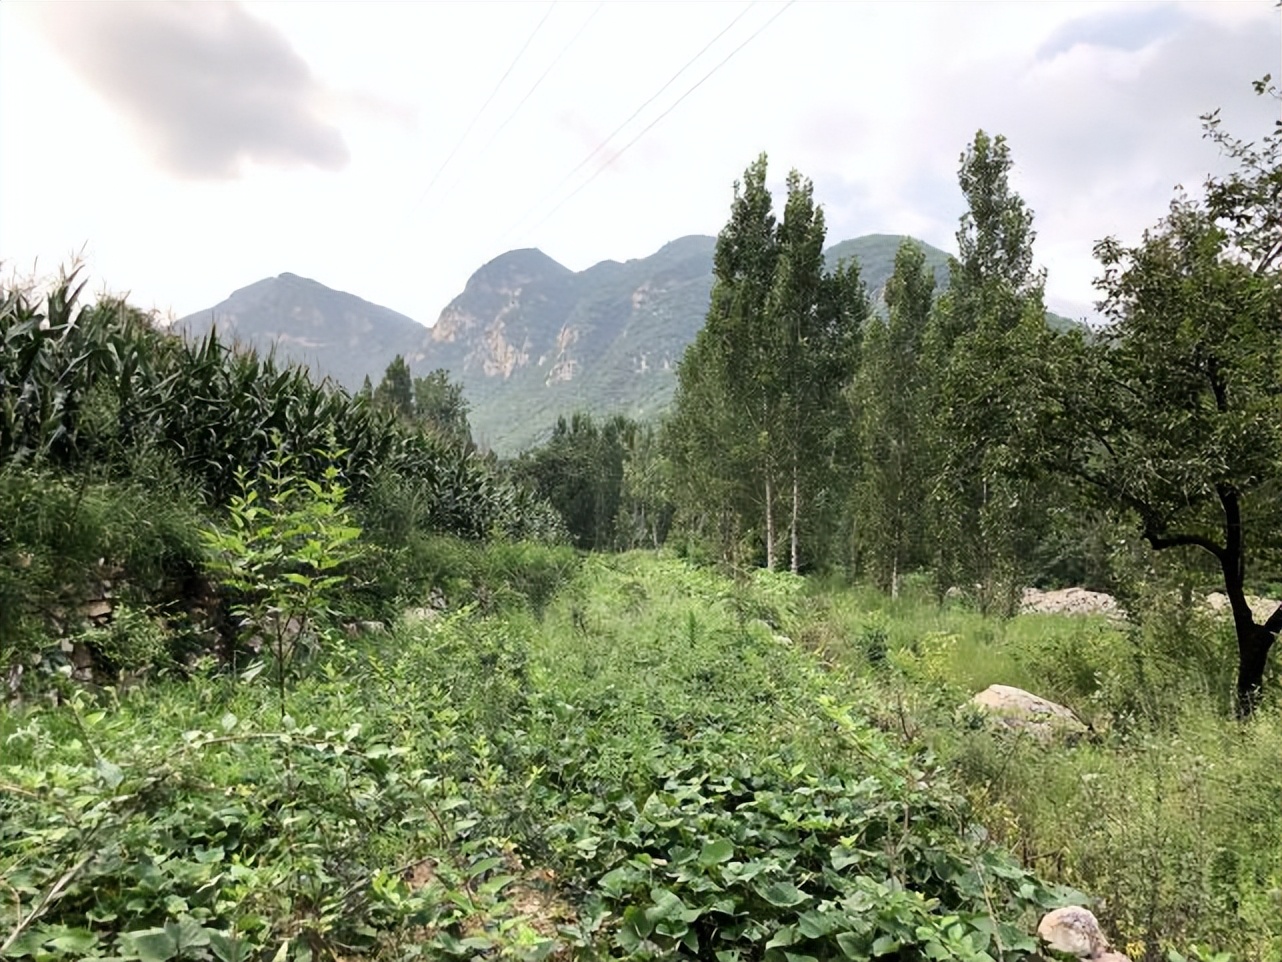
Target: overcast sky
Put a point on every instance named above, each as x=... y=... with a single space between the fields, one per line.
x=390 y=149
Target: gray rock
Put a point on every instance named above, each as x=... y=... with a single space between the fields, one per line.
x=1022 y=711
x=1074 y=930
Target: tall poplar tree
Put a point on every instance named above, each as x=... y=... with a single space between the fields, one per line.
x=759 y=392
x=988 y=338
x=891 y=410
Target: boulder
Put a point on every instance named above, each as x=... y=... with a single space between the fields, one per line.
x=1024 y=712
x=1076 y=931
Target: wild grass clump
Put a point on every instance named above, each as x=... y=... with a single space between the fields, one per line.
x=66 y=540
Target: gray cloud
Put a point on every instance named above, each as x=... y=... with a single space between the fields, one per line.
x=208 y=86
x=1130 y=28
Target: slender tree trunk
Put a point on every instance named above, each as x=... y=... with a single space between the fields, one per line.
x=796 y=511
x=770 y=524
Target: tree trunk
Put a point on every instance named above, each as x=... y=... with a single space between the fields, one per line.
x=796 y=512
x=1253 y=645
x=1253 y=641
x=770 y=524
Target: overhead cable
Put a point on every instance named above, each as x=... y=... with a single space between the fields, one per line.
x=631 y=117
x=600 y=170
x=477 y=116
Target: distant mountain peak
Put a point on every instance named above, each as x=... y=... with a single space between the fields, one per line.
x=333 y=333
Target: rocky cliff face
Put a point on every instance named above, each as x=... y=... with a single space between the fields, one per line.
x=531 y=340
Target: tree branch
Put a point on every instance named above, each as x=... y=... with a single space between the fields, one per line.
x=1274 y=624
x=1160 y=542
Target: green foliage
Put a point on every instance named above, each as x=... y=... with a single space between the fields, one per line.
x=440 y=407
x=223 y=842
x=1165 y=812
x=987 y=341
x=1172 y=415
x=395 y=393
x=282 y=555
x=100 y=387
x=890 y=401
x=761 y=861
x=580 y=472
x=757 y=428
x=64 y=537
x=651 y=767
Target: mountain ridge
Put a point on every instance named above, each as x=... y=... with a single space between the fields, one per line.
x=528 y=338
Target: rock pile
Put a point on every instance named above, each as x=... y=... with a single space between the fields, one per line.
x=1070 y=601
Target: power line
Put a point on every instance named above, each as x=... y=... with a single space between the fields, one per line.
x=477 y=116
x=535 y=86
x=600 y=170
x=555 y=60
x=614 y=133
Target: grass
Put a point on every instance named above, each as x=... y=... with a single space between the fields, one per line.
x=1168 y=812
x=423 y=782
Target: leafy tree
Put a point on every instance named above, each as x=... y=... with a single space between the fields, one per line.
x=282 y=555
x=890 y=399
x=440 y=406
x=395 y=392
x=1176 y=410
x=580 y=472
x=646 y=509
x=987 y=340
x=756 y=410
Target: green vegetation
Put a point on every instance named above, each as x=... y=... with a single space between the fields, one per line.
x=651 y=768
x=293 y=674
x=758 y=430
x=1166 y=811
x=424 y=780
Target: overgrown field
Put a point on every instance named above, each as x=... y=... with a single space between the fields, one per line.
x=629 y=757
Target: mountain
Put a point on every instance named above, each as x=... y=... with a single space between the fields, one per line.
x=333 y=334
x=528 y=338
x=875 y=254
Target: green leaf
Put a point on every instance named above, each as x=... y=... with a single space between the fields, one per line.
x=884 y=945
x=668 y=905
x=715 y=852
x=851 y=946
x=110 y=773
x=228 y=948
x=150 y=945
x=781 y=894
x=75 y=942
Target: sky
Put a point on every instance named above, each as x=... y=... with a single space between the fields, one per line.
x=389 y=149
